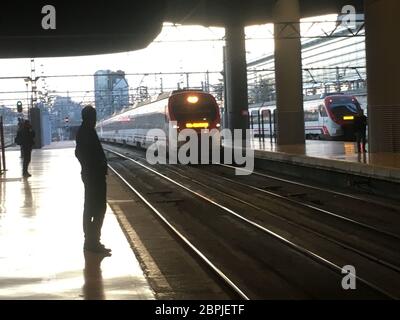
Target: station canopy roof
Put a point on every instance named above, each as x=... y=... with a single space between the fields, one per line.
x=94 y=27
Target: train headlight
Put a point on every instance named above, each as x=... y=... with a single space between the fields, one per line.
x=197 y=125
x=192 y=99
x=348 y=118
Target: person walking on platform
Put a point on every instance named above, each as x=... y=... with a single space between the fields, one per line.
x=94 y=170
x=360 y=128
x=25 y=138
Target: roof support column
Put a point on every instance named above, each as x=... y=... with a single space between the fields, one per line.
x=288 y=73
x=382 y=25
x=236 y=77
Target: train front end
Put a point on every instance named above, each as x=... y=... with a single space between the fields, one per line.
x=342 y=110
x=197 y=111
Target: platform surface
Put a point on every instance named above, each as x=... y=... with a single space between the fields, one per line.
x=334 y=155
x=41 y=237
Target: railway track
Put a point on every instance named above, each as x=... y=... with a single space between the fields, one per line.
x=307 y=190
x=351 y=197
x=252 y=226
x=373 y=256
x=364 y=230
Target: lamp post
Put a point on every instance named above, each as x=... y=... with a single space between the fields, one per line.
x=27 y=92
x=33 y=90
x=34 y=113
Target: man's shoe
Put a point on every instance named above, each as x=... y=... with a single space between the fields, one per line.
x=27 y=175
x=104 y=248
x=97 y=248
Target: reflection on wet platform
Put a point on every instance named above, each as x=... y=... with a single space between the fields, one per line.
x=41 y=237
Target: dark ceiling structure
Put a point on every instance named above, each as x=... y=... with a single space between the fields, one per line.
x=248 y=12
x=95 y=27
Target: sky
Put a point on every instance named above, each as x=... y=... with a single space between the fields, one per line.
x=177 y=49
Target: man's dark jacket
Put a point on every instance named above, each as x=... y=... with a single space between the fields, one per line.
x=90 y=152
x=25 y=138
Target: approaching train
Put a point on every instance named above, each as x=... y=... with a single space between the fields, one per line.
x=189 y=109
x=328 y=118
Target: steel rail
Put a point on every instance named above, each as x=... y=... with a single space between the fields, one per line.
x=292 y=222
x=353 y=197
x=309 y=206
x=202 y=256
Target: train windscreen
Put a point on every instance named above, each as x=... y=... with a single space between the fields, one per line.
x=193 y=107
x=344 y=107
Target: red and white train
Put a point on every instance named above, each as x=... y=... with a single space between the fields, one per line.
x=327 y=118
x=188 y=109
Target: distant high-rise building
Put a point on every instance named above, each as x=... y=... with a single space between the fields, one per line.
x=120 y=94
x=111 y=92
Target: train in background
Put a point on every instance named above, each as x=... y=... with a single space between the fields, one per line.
x=188 y=109
x=331 y=117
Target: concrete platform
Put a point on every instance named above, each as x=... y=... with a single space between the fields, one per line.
x=41 y=237
x=334 y=156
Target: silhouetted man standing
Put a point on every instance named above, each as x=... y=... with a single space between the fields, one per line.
x=360 y=128
x=25 y=138
x=94 y=170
